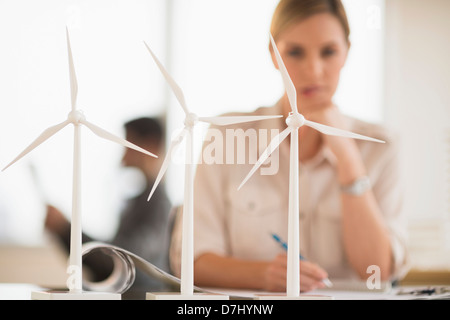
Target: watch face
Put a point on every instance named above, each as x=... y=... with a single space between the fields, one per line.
x=358 y=187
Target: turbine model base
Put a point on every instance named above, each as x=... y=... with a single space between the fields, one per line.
x=67 y=295
x=179 y=296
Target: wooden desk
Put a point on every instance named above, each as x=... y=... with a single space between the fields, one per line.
x=43 y=265
x=427 y=277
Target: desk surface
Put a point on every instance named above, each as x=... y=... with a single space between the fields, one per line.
x=27 y=269
x=22 y=291
x=17 y=291
x=43 y=264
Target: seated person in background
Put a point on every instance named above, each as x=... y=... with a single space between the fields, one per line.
x=344 y=229
x=143 y=228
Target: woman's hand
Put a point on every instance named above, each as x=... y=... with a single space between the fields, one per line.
x=350 y=165
x=311 y=275
x=332 y=117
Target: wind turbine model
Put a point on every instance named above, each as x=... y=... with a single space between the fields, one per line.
x=77 y=118
x=294 y=121
x=191 y=119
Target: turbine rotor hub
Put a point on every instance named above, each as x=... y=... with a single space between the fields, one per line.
x=191 y=120
x=75 y=116
x=295 y=120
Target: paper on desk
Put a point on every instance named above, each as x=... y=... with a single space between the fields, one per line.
x=125 y=264
x=359 y=286
x=124 y=270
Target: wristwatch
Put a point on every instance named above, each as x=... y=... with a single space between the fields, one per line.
x=358 y=187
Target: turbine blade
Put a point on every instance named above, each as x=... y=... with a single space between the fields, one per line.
x=223 y=121
x=42 y=137
x=109 y=136
x=72 y=74
x=288 y=84
x=173 y=144
x=338 y=132
x=271 y=148
x=175 y=88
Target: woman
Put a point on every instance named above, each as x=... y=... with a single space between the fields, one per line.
x=346 y=224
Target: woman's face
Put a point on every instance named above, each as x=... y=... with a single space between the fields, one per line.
x=314 y=51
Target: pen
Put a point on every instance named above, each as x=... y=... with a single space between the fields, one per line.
x=283 y=244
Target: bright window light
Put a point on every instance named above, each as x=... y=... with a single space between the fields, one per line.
x=216 y=50
x=114 y=85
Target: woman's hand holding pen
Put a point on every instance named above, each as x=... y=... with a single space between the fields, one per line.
x=311 y=275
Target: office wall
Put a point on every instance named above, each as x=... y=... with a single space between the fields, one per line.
x=417 y=105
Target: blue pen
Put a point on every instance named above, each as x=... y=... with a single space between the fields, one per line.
x=284 y=244
x=285 y=247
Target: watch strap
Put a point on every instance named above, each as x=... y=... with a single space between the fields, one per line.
x=357 y=187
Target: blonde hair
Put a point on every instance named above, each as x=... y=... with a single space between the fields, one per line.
x=289 y=12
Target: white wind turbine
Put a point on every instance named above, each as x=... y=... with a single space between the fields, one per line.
x=77 y=118
x=191 y=119
x=294 y=121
